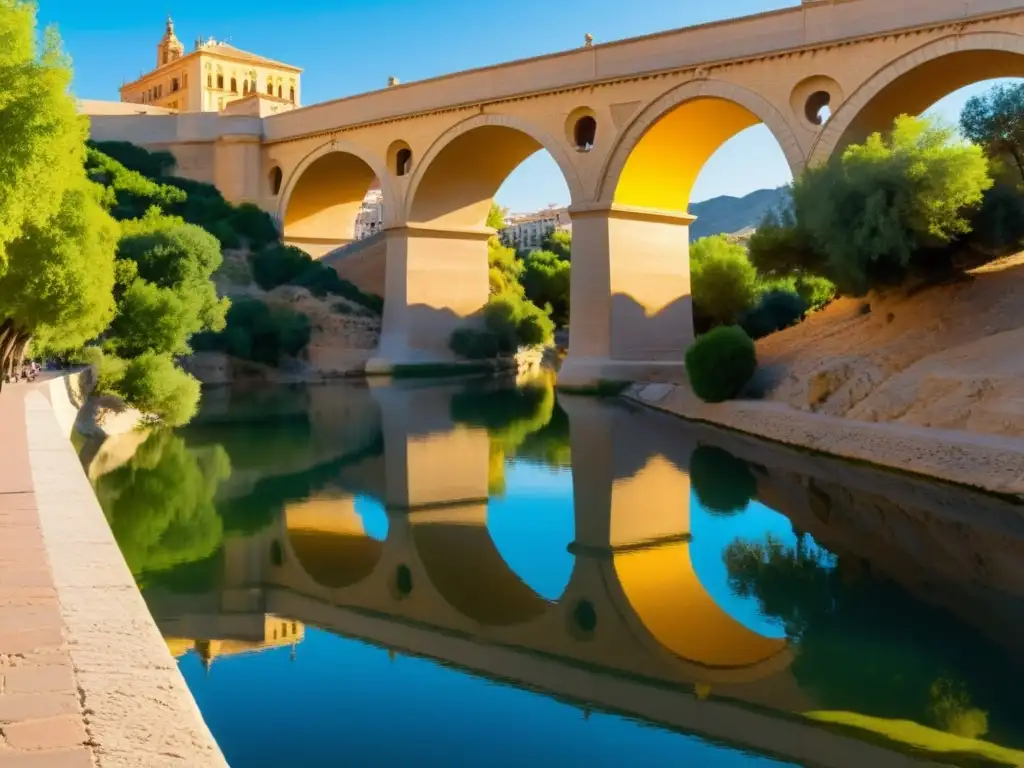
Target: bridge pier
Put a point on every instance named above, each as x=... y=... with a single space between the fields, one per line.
x=435 y=279
x=632 y=316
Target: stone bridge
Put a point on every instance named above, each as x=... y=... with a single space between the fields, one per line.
x=629 y=123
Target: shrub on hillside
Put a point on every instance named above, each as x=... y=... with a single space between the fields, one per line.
x=254 y=224
x=723 y=281
x=258 y=332
x=774 y=311
x=817 y=292
x=720 y=363
x=475 y=343
x=136 y=158
x=287 y=265
x=518 y=321
x=155 y=385
x=886 y=208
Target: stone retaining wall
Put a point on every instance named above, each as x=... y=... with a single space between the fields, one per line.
x=93 y=681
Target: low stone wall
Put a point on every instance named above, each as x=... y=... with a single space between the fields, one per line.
x=991 y=463
x=135 y=705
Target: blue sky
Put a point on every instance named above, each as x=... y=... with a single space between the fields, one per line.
x=348 y=47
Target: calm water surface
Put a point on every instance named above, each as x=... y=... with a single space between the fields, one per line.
x=465 y=574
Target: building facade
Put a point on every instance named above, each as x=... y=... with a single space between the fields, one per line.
x=370 y=218
x=210 y=77
x=526 y=231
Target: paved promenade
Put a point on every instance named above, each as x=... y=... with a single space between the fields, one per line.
x=85 y=677
x=41 y=719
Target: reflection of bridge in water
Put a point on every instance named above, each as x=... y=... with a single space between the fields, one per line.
x=634 y=630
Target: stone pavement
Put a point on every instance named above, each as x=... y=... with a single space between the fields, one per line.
x=41 y=719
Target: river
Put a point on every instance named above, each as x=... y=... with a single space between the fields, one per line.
x=470 y=573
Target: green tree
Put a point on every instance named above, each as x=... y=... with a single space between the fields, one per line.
x=723 y=281
x=885 y=207
x=156 y=386
x=170 y=296
x=995 y=121
x=545 y=279
x=559 y=242
x=42 y=149
x=780 y=247
x=504 y=270
x=57 y=290
x=495 y=217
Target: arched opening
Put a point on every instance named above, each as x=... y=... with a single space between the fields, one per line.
x=332 y=541
x=817 y=109
x=291 y=94
x=245 y=87
x=234 y=85
x=333 y=202
x=458 y=184
x=270 y=89
x=585 y=133
x=466 y=568
x=941 y=74
x=403 y=162
x=220 y=82
x=276 y=177
x=279 y=90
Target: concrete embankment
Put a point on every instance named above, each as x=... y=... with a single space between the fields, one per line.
x=992 y=463
x=85 y=677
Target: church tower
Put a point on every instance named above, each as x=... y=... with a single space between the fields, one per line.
x=170 y=48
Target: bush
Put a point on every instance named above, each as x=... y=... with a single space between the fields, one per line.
x=723 y=281
x=257 y=332
x=109 y=369
x=545 y=279
x=254 y=224
x=225 y=234
x=998 y=226
x=774 y=311
x=817 y=292
x=136 y=158
x=153 y=384
x=720 y=363
x=475 y=343
x=518 y=320
x=723 y=483
x=780 y=246
x=287 y=265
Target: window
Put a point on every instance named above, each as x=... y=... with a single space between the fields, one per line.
x=276 y=177
x=279 y=89
x=209 y=81
x=291 y=94
x=234 y=85
x=585 y=133
x=245 y=86
x=220 y=82
x=184 y=80
x=403 y=161
x=270 y=88
x=175 y=84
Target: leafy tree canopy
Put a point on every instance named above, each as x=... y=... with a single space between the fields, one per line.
x=995 y=121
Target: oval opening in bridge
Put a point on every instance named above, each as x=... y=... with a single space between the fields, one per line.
x=585 y=133
x=817 y=109
x=276 y=177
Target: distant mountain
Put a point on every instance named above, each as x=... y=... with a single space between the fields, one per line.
x=726 y=215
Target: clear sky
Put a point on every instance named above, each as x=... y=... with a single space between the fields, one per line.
x=349 y=46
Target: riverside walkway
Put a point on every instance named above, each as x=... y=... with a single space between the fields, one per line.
x=85 y=677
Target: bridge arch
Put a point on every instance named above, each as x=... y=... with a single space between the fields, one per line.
x=321 y=197
x=454 y=183
x=915 y=81
x=647 y=170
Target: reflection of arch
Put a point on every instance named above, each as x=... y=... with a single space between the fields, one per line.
x=649 y=152
x=322 y=195
x=665 y=593
x=465 y=567
x=329 y=542
x=914 y=82
x=456 y=180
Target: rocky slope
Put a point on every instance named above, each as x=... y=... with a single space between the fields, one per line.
x=946 y=357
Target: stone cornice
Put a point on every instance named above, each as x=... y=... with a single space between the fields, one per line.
x=699 y=71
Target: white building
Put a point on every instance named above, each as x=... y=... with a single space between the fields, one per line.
x=370 y=218
x=526 y=231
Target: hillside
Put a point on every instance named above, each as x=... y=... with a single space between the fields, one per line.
x=945 y=357
x=726 y=214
